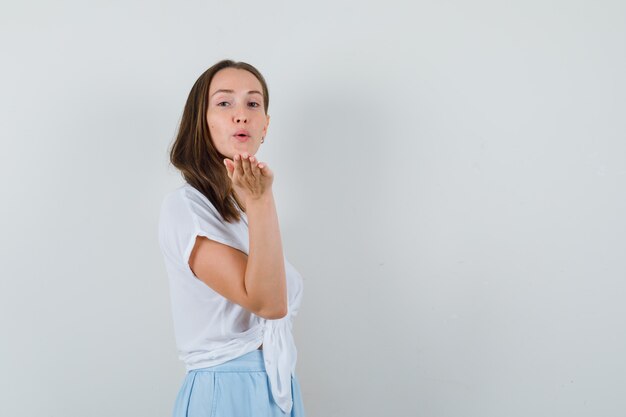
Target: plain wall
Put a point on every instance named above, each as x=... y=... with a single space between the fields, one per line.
x=450 y=181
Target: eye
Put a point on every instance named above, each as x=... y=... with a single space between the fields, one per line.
x=221 y=102
x=255 y=104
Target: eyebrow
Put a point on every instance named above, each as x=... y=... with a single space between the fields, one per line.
x=232 y=91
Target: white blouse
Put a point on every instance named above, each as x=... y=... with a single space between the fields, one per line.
x=209 y=328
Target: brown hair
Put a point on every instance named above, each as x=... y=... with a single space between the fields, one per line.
x=193 y=152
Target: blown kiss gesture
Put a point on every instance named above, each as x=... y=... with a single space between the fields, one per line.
x=251 y=179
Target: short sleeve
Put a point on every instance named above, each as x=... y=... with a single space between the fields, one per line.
x=186 y=214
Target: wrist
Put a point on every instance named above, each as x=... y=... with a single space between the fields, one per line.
x=264 y=198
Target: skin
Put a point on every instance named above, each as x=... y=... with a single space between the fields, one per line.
x=229 y=111
x=261 y=283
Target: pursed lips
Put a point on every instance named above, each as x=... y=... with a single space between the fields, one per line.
x=242 y=133
x=241 y=136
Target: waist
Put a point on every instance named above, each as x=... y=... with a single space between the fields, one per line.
x=249 y=362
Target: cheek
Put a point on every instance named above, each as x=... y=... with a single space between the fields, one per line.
x=211 y=122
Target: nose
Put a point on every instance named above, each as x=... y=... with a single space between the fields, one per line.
x=240 y=116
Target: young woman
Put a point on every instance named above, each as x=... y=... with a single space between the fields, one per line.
x=233 y=294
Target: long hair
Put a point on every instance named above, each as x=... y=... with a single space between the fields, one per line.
x=193 y=152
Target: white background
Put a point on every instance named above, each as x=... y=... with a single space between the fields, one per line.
x=450 y=180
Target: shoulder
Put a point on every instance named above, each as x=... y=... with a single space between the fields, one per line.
x=186 y=200
x=186 y=208
x=174 y=205
x=187 y=213
x=174 y=209
x=184 y=213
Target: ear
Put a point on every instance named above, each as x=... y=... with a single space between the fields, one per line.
x=266 y=125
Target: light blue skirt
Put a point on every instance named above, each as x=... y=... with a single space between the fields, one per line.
x=237 y=388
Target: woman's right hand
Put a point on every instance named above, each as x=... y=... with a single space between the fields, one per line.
x=251 y=179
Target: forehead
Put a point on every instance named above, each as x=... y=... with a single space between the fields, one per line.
x=234 y=79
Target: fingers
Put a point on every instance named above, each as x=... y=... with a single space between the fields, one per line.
x=256 y=171
x=260 y=168
x=230 y=167
x=245 y=161
x=238 y=166
x=245 y=166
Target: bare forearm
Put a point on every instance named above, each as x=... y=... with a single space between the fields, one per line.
x=265 y=273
